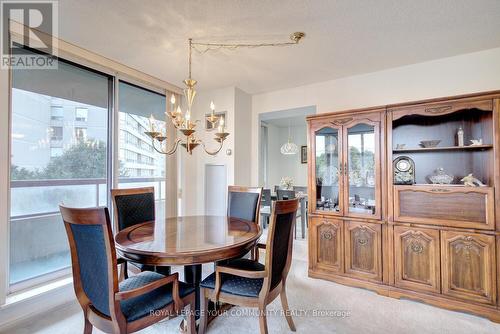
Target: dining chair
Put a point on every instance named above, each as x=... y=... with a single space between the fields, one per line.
x=276 y=190
x=301 y=189
x=134 y=206
x=109 y=305
x=285 y=194
x=265 y=207
x=244 y=202
x=249 y=283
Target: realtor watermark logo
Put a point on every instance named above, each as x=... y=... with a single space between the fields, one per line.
x=29 y=33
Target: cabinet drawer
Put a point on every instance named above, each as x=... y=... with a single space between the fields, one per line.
x=363 y=250
x=327 y=251
x=470 y=207
x=468 y=264
x=417 y=259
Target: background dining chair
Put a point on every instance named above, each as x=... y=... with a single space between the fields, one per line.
x=289 y=194
x=285 y=194
x=265 y=207
x=303 y=190
x=131 y=207
x=114 y=307
x=249 y=283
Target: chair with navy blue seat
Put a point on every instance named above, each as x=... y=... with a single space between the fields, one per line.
x=110 y=305
x=249 y=283
x=244 y=202
x=131 y=207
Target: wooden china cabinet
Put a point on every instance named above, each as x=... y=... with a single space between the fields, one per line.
x=433 y=242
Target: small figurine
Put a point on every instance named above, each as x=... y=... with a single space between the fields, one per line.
x=400 y=146
x=460 y=137
x=471 y=181
x=476 y=142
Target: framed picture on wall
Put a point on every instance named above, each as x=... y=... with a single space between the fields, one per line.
x=303 y=154
x=209 y=126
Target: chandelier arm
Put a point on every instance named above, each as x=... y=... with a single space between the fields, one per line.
x=211 y=152
x=170 y=151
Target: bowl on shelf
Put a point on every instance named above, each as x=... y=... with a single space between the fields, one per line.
x=429 y=143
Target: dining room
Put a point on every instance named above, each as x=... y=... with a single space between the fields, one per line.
x=243 y=167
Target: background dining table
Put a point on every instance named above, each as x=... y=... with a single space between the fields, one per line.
x=187 y=241
x=266 y=210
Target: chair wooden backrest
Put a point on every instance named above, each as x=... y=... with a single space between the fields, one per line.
x=279 y=243
x=244 y=202
x=93 y=259
x=285 y=194
x=133 y=206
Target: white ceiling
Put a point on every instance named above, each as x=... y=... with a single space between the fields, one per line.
x=344 y=37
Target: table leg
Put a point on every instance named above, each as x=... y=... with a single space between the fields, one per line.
x=303 y=216
x=192 y=275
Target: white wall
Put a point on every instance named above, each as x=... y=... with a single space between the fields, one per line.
x=280 y=165
x=243 y=137
x=469 y=73
x=193 y=178
x=237 y=105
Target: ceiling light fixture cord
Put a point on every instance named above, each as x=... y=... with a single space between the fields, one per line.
x=295 y=37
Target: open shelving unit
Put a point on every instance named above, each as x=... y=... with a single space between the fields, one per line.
x=447 y=148
x=412 y=128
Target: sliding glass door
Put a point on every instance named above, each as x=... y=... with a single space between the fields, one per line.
x=59 y=154
x=139 y=164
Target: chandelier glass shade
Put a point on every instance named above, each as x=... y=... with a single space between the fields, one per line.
x=289 y=147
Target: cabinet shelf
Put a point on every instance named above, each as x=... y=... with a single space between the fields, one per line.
x=447 y=148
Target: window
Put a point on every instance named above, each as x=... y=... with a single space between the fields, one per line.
x=140 y=165
x=56 y=133
x=80 y=134
x=43 y=173
x=81 y=114
x=57 y=113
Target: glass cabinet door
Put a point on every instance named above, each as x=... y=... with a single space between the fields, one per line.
x=328 y=169
x=360 y=169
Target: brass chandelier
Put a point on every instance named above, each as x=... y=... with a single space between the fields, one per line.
x=182 y=120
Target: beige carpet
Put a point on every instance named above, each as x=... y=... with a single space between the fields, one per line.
x=366 y=312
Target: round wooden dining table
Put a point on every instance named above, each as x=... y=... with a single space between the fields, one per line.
x=187 y=241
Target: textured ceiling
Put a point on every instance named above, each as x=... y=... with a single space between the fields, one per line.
x=344 y=37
